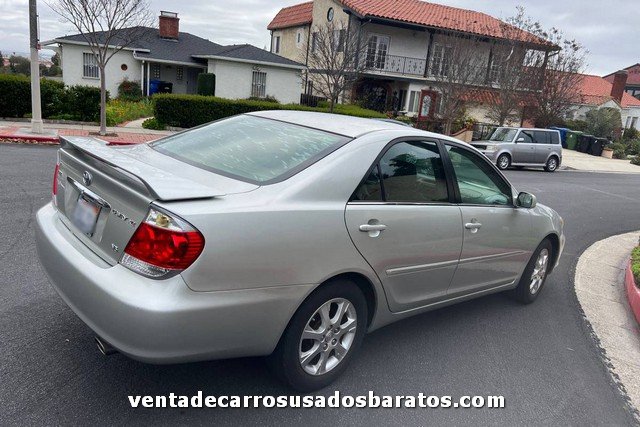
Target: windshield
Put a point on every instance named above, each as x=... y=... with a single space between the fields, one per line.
x=503 y=135
x=252 y=149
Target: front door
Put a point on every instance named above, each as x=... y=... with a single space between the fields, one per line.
x=402 y=222
x=496 y=244
x=524 y=150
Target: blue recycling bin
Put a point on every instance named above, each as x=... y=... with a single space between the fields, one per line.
x=154 y=86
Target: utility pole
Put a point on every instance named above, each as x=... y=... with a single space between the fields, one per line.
x=36 y=109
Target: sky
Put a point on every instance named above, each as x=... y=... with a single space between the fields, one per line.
x=608 y=29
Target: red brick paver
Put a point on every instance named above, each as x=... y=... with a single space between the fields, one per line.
x=122 y=138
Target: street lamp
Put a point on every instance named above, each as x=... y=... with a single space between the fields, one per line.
x=36 y=109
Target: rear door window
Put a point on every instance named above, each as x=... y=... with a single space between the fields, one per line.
x=542 y=137
x=555 y=137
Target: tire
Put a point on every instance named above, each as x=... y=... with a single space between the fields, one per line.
x=552 y=164
x=527 y=292
x=286 y=361
x=503 y=162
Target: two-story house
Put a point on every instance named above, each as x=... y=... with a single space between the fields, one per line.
x=407 y=47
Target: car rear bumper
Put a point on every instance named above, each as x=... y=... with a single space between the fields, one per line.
x=161 y=321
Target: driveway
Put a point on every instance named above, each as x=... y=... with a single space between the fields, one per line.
x=585 y=162
x=540 y=357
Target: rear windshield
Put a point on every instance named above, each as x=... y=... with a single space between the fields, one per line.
x=252 y=149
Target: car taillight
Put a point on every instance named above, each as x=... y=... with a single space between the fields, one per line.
x=162 y=244
x=54 y=191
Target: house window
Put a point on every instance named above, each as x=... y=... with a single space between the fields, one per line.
x=155 y=71
x=414 y=101
x=441 y=60
x=276 y=44
x=494 y=70
x=259 y=84
x=377 y=50
x=90 y=68
x=299 y=38
x=634 y=122
x=339 y=39
x=314 y=41
x=179 y=73
x=402 y=98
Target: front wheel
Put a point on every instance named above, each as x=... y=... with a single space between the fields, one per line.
x=535 y=274
x=552 y=164
x=322 y=337
x=503 y=162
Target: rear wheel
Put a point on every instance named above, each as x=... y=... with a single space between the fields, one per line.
x=322 y=337
x=504 y=161
x=552 y=164
x=535 y=274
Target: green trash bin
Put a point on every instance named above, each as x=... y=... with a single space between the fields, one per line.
x=572 y=139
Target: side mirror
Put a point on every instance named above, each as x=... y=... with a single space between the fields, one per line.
x=527 y=201
x=521 y=139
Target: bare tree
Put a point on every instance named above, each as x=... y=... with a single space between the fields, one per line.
x=335 y=58
x=455 y=69
x=108 y=26
x=547 y=78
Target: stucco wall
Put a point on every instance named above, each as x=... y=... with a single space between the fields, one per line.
x=233 y=80
x=289 y=46
x=72 y=68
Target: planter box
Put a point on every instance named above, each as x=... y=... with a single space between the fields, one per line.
x=633 y=292
x=607 y=153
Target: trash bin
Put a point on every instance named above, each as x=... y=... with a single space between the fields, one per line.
x=584 y=143
x=563 y=135
x=166 y=87
x=597 y=145
x=572 y=139
x=154 y=86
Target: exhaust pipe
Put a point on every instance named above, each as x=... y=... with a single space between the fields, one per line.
x=104 y=347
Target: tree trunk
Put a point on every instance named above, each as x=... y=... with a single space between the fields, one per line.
x=332 y=104
x=103 y=102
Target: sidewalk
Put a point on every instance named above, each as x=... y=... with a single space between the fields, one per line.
x=599 y=284
x=585 y=162
x=125 y=135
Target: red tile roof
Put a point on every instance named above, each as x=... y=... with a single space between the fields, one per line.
x=595 y=90
x=415 y=12
x=633 y=77
x=293 y=16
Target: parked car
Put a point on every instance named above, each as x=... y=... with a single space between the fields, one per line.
x=283 y=233
x=509 y=146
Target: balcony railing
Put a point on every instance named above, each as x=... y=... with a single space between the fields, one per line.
x=395 y=64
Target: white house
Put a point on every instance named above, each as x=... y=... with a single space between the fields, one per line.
x=165 y=54
x=594 y=92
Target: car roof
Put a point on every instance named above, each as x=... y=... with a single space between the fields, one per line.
x=348 y=126
x=542 y=129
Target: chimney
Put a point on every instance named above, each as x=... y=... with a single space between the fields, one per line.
x=169 y=25
x=619 y=83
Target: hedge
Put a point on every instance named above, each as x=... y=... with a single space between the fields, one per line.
x=58 y=101
x=192 y=110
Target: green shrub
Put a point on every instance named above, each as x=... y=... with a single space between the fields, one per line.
x=619 y=150
x=53 y=94
x=129 y=91
x=206 y=84
x=633 y=147
x=635 y=161
x=120 y=111
x=193 y=110
x=268 y=98
x=153 y=124
x=406 y=119
x=15 y=95
x=635 y=264
x=630 y=134
x=83 y=103
x=577 y=125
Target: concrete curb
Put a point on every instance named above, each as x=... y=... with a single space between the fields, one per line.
x=599 y=284
x=633 y=292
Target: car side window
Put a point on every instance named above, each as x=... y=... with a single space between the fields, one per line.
x=409 y=172
x=542 y=137
x=478 y=182
x=555 y=138
x=527 y=136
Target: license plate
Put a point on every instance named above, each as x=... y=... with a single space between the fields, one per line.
x=85 y=215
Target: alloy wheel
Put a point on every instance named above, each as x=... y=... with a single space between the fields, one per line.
x=503 y=162
x=539 y=271
x=328 y=336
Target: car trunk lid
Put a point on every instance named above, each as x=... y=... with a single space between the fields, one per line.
x=104 y=192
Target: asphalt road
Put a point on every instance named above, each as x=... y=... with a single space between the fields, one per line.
x=541 y=357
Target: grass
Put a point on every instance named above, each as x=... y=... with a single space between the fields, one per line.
x=119 y=111
x=635 y=264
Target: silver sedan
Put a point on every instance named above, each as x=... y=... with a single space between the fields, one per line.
x=288 y=234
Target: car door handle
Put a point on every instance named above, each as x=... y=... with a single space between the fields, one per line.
x=367 y=228
x=473 y=226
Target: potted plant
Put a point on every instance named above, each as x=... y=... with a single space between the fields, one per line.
x=607 y=152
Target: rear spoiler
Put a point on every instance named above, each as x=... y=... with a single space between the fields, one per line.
x=160 y=184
